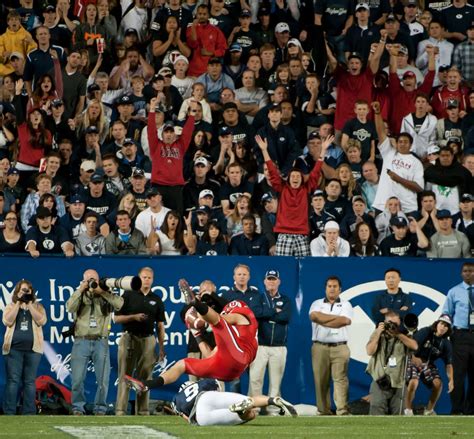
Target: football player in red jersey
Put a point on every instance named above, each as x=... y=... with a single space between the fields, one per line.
x=235 y=331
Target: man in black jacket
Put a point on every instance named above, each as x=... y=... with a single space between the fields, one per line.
x=272 y=338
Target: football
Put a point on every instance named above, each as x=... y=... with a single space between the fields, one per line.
x=193 y=321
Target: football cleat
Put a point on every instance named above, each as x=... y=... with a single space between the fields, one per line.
x=186 y=291
x=285 y=406
x=242 y=406
x=135 y=384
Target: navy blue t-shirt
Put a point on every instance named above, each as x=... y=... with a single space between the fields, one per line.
x=23 y=335
x=431 y=347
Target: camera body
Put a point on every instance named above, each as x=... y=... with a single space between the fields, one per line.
x=390 y=326
x=26 y=298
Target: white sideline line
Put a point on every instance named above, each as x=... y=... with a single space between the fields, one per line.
x=117 y=432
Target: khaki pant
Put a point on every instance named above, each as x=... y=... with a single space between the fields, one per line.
x=331 y=362
x=273 y=357
x=137 y=354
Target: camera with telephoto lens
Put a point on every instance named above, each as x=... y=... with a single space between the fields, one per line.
x=92 y=284
x=390 y=326
x=127 y=283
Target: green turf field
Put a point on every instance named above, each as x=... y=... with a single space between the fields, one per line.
x=363 y=427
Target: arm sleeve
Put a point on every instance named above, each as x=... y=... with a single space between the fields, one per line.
x=152 y=134
x=277 y=181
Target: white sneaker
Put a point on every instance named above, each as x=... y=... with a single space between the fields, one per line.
x=429 y=413
x=242 y=406
x=408 y=412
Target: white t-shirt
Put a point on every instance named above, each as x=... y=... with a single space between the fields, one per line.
x=406 y=166
x=184 y=86
x=324 y=334
x=167 y=245
x=143 y=221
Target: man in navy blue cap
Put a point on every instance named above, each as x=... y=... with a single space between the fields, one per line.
x=447 y=242
x=405 y=241
x=272 y=338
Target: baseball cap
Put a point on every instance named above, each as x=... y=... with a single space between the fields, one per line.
x=362 y=6
x=168 y=126
x=214 y=60
x=165 y=71
x=128 y=141
x=92 y=130
x=391 y=17
x=263 y=11
x=236 y=47
x=97 y=177
x=398 y=221
x=130 y=31
x=293 y=42
x=124 y=100
x=43 y=212
x=318 y=193
x=272 y=273
x=455 y=140
x=267 y=196
x=355 y=55
x=314 y=135
x=201 y=161
x=410 y=2
x=181 y=58
x=16 y=55
x=445 y=318
x=282 y=27
x=57 y=103
x=452 y=103
x=444 y=68
x=138 y=173
x=225 y=131
x=466 y=197
x=152 y=192
x=275 y=107
x=443 y=213
x=206 y=193
x=92 y=88
x=229 y=106
x=358 y=198
x=49 y=8
x=331 y=225
x=245 y=13
x=88 y=165
x=76 y=198
x=408 y=74
x=403 y=50
x=433 y=149
x=13 y=171
x=203 y=209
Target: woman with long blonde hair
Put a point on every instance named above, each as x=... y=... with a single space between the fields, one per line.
x=243 y=206
x=94 y=115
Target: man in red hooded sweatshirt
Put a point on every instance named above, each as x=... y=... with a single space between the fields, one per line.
x=167 y=156
x=206 y=41
x=403 y=96
x=292 y=224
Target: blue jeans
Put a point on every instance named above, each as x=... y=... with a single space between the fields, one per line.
x=21 y=368
x=82 y=352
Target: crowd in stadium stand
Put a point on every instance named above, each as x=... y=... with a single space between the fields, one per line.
x=145 y=127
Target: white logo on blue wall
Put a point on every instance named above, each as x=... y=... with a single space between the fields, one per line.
x=362 y=325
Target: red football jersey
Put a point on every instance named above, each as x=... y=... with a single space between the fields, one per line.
x=244 y=336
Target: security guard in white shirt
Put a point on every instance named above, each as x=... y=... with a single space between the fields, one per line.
x=330 y=318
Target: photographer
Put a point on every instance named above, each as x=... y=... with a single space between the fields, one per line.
x=433 y=344
x=388 y=350
x=137 y=345
x=92 y=306
x=22 y=347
